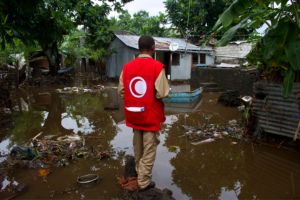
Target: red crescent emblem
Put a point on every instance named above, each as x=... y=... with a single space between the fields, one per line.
x=138 y=87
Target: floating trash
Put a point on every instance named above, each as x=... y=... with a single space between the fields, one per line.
x=43 y=172
x=80 y=90
x=203 y=141
x=87 y=179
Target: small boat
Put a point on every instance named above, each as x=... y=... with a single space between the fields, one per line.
x=184 y=97
x=183 y=107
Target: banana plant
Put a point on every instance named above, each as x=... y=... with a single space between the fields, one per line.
x=279 y=48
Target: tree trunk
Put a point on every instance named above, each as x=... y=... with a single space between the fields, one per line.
x=17 y=73
x=51 y=51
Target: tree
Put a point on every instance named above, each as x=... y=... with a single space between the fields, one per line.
x=141 y=23
x=278 y=50
x=194 y=18
x=46 y=22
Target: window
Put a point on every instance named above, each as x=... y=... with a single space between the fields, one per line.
x=194 y=58
x=175 y=59
x=202 y=58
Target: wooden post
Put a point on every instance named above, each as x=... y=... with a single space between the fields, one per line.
x=170 y=65
x=297 y=131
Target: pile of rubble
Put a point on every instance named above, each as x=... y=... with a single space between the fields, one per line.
x=211 y=132
x=80 y=90
x=51 y=151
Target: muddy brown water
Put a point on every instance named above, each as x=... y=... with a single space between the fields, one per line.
x=223 y=169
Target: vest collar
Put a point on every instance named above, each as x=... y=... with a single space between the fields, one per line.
x=144 y=56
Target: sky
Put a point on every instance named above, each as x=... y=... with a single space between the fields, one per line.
x=152 y=6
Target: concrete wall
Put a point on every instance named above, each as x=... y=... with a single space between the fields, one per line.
x=122 y=54
x=183 y=70
x=227 y=79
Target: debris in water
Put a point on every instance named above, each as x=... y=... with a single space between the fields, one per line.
x=80 y=90
x=232 y=122
x=46 y=152
x=225 y=133
x=247 y=99
x=88 y=179
x=203 y=141
x=173 y=148
x=69 y=138
x=43 y=172
x=103 y=155
x=22 y=153
x=213 y=131
x=94 y=169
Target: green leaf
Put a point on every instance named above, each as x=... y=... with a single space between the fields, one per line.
x=275 y=39
x=292 y=48
x=232 y=13
x=228 y=35
x=288 y=81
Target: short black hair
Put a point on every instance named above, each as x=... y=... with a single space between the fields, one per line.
x=146 y=43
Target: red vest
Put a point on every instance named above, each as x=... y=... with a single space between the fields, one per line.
x=142 y=110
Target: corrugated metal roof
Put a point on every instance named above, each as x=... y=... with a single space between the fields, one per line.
x=161 y=43
x=238 y=49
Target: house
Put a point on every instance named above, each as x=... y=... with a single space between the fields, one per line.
x=178 y=64
x=232 y=54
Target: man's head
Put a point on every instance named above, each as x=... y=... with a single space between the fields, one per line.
x=146 y=44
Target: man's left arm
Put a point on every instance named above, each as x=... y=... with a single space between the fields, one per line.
x=121 y=85
x=161 y=85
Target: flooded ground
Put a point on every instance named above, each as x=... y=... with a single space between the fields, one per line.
x=223 y=169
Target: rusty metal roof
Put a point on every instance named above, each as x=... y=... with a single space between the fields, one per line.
x=162 y=43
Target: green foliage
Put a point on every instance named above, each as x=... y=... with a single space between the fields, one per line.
x=97 y=27
x=279 y=49
x=141 y=23
x=194 y=18
x=72 y=48
x=16 y=47
x=46 y=22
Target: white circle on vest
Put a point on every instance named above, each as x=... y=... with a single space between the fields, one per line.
x=138 y=87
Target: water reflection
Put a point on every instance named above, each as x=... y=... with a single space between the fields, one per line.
x=26 y=124
x=4 y=148
x=78 y=124
x=225 y=170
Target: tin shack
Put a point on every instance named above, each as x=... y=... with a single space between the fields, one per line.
x=178 y=64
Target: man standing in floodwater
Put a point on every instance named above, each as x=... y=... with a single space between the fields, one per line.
x=143 y=84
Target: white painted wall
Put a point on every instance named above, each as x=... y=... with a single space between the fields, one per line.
x=210 y=59
x=183 y=70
